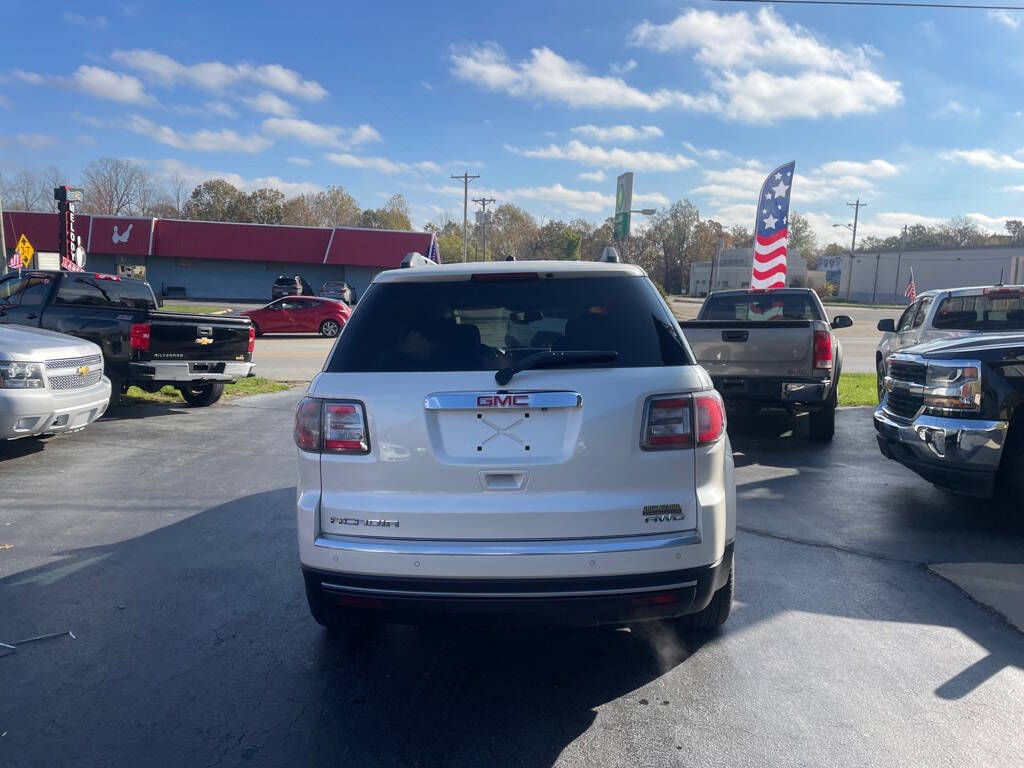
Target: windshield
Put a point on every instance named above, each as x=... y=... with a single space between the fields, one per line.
x=482 y=326
x=761 y=307
x=980 y=313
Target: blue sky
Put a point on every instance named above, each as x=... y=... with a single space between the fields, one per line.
x=919 y=112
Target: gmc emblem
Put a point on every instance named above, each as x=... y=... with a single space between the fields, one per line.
x=502 y=401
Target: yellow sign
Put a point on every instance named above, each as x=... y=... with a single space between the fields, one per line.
x=25 y=250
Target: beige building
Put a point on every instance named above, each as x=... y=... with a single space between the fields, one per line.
x=733 y=271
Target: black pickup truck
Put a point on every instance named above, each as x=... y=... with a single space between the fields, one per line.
x=953 y=412
x=141 y=345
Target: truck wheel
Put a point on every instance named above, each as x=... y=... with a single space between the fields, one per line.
x=202 y=395
x=823 y=423
x=880 y=378
x=330 y=328
x=717 y=610
x=116 y=390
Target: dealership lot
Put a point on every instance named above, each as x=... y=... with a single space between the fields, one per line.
x=165 y=541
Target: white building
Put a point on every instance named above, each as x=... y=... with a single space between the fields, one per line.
x=734 y=268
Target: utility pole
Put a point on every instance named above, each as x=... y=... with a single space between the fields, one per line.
x=3 y=242
x=465 y=178
x=899 y=258
x=853 y=243
x=719 y=246
x=483 y=202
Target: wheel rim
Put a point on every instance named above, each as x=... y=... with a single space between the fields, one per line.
x=330 y=328
x=879 y=378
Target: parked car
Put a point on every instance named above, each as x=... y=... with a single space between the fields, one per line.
x=950 y=314
x=340 y=290
x=953 y=412
x=300 y=314
x=197 y=354
x=295 y=285
x=583 y=478
x=49 y=382
x=772 y=349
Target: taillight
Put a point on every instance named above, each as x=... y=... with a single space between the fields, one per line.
x=331 y=426
x=252 y=339
x=710 y=417
x=667 y=423
x=138 y=336
x=822 y=350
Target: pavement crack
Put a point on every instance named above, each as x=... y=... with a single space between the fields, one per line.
x=827 y=545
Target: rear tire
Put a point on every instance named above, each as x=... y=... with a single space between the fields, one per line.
x=717 y=611
x=330 y=328
x=822 y=424
x=202 y=395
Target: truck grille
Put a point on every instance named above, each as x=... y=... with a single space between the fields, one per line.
x=74 y=381
x=913 y=373
x=904 y=404
x=93 y=361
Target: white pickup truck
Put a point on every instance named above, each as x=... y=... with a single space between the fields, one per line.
x=514 y=442
x=772 y=349
x=949 y=314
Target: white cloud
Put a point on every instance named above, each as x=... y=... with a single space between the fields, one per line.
x=427 y=166
x=220 y=108
x=270 y=103
x=216 y=75
x=366 y=162
x=549 y=77
x=991 y=224
x=426 y=85
x=5 y=103
x=876 y=169
x=711 y=153
x=589 y=201
x=85 y=140
x=203 y=141
x=319 y=134
x=954 y=108
x=601 y=157
x=32 y=78
x=95 y=81
x=622 y=68
x=597 y=175
x=32 y=141
x=194 y=175
x=1006 y=18
x=985 y=158
x=618 y=132
x=77 y=20
x=303 y=161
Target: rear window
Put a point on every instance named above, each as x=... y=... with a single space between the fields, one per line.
x=980 y=313
x=99 y=292
x=487 y=325
x=761 y=307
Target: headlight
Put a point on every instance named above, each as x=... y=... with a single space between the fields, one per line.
x=953 y=386
x=21 y=376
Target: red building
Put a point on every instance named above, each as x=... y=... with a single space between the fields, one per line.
x=216 y=260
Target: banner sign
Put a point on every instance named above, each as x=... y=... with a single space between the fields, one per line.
x=72 y=254
x=623 y=204
x=771 y=229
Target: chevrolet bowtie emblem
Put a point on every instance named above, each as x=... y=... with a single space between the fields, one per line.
x=83 y=370
x=203 y=340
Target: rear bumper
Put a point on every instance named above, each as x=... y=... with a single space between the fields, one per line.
x=773 y=390
x=959 y=454
x=26 y=412
x=184 y=371
x=578 y=601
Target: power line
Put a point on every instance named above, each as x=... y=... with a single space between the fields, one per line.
x=882 y=4
x=465 y=178
x=483 y=203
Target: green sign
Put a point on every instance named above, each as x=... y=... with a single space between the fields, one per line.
x=623 y=202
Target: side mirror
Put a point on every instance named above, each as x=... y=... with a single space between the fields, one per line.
x=842 y=321
x=887 y=325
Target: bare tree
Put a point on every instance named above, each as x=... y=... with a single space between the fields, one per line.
x=179 y=192
x=21 y=191
x=115 y=187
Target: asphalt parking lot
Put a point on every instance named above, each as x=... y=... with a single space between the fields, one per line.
x=163 y=538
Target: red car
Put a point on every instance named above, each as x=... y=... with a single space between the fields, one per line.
x=300 y=314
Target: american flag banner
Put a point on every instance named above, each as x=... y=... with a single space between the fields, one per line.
x=911 y=292
x=771 y=229
x=432 y=251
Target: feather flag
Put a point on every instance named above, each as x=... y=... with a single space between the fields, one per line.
x=771 y=229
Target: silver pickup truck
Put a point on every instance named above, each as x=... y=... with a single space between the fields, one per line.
x=771 y=349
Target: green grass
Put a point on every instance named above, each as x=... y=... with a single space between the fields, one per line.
x=858 y=389
x=256 y=385
x=195 y=309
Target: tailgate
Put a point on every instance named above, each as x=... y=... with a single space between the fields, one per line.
x=198 y=337
x=755 y=348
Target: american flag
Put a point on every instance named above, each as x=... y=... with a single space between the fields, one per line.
x=771 y=229
x=432 y=253
x=911 y=292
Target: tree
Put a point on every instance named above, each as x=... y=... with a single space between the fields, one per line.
x=739 y=237
x=266 y=206
x=670 y=231
x=1015 y=229
x=962 y=232
x=21 y=191
x=217 y=200
x=802 y=238
x=513 y=232
x=331 y=207
x=116 y=187
x=393 y=215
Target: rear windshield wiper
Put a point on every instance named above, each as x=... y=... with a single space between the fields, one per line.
x=554 y=360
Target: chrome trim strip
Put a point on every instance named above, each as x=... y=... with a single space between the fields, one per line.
x=611 y=545
x=575 y=593
x=470 y=401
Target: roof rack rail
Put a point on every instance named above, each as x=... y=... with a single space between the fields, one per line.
x=610 y=256
x=415 y=259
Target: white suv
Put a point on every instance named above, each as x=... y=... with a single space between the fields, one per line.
x=524 y=442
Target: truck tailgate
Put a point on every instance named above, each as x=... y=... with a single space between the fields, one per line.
x=754 y=348
x=198 y=337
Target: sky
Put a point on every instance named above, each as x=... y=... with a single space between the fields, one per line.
x=917 y=112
